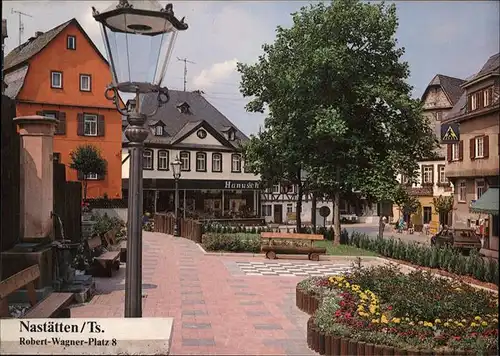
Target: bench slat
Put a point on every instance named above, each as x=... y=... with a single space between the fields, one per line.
x=287 y=235
x=51 y=305
x=109 y=256
x=18 y=280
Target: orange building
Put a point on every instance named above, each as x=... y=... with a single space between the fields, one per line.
x=61 y=73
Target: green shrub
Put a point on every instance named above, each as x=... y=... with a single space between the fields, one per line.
x=344 y=237
x=231 y=242
x=104 y=223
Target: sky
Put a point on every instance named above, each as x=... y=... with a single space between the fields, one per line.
x=453 y=38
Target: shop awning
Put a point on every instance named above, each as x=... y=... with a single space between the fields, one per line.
x=488 y=203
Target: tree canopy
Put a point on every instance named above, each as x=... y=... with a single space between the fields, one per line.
x=339 y=103
x=87 y=159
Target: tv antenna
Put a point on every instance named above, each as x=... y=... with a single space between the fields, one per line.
x=21 y=25
x=186 y=61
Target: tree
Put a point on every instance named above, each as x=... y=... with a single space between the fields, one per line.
x=411 y=206
x=86 y=160
x=339 y=102
x=443 y=205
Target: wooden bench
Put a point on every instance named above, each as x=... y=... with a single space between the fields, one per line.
x=105 y=262
x=55 y=305
x=271 y=249
x=110 y=238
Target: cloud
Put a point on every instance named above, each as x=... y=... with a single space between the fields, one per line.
x=216 y=73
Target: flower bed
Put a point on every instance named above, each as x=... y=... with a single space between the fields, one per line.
x=398 y=314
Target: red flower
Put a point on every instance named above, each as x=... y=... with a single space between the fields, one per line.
x=457 y=338
x=389 y=307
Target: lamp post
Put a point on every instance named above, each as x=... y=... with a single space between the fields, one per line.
x=139 y=37
x=176 y=170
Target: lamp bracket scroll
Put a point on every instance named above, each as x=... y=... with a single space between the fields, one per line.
x=111 y=93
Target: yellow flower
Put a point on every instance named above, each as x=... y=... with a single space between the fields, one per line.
x=446 y=324
x=478 y=318
x=383 y=319
x=347 y=284
x=373 y=309
x=375 y=321
x=426 y=323
x=474 y=324
x=396 y=320
x=361 y=313
x=464 y=321
x=363 y=296
x=460 y=325
x=437 y=321
x=484 y=323
x=450 y=320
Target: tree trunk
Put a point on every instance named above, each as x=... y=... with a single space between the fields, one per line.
x=381 y=226
x=336 y=211
x=313 y=212
x=85 y=190
x=298 y=222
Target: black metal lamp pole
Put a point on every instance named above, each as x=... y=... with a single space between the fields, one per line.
x=176 y=170
x=152 y=30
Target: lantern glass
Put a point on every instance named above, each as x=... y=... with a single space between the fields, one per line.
x=176 y=167
x=139 y=37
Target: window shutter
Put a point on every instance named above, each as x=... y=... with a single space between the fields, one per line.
x=39 y=113
x=80 y=175
x=449 y=152
x=432 y=174
x=469 y=103
x=461 y=150
x=486 y=146
x=61 y=126
x=100 y=125
x=472 y=148
x=80 y=131
x=422 y=174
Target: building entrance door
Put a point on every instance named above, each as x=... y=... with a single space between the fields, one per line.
x=278 y=214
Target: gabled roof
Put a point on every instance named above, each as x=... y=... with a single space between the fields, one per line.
x=451 y=87
x=27 y=50
x=492 y=65
x=179 y=124
x=15 y=81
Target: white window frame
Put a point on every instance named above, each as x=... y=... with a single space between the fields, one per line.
x=91 y=176
x=236 y=163
x=163 y=160
x=53 y=74
x=201 y=162
x=147 y=156
x=90 y=122
x=479 y=147
x=442 y=175
x=276 y=188
x=480 y=188
x=289 y=208
x=216 y=162
x=71 y=42
x=159 y=131
x=89 y=87
x=462 y=191
x=455 y=151
x=473 y=102
x=486 y=98
x=428 y=172
x=185 y=158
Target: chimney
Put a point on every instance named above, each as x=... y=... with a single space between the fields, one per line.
x=38 y=33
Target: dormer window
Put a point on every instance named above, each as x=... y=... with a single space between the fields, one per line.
x=184 y=108
x=231 y=135
x=159 y=131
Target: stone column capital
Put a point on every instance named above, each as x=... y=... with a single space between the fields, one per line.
x=36 y=125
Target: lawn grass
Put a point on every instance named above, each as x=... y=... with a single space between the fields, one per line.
x=343 y=250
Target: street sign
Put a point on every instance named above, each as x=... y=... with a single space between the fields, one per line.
x=324 y=211
x=450 y=133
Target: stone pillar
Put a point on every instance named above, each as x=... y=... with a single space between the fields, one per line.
x=36 y=198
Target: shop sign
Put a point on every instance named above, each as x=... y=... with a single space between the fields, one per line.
x=229 y=184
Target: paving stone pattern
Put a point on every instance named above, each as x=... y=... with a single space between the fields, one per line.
x=290 y=269
x=217 y=308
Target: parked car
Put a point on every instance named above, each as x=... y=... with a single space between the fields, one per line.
x=466 y=239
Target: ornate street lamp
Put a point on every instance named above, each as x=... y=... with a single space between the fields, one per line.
x=176 y=170
x=139 y=37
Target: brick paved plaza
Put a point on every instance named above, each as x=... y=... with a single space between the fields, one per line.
x=219 y=304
